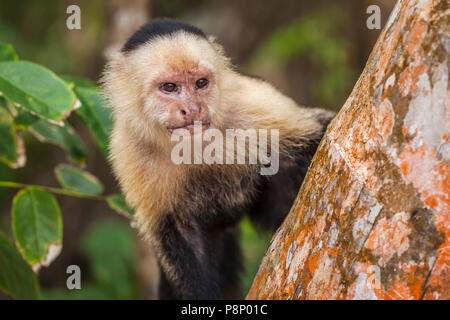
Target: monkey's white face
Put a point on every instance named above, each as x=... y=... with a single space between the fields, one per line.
x=172 y=82
x=177 y=98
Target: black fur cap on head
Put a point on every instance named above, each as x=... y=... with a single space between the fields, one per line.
x=157 y=28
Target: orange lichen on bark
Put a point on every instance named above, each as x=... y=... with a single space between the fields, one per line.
x=371 y=220
x=407 y=82
x=389 y=237
x=416 y=36
x=367 y=285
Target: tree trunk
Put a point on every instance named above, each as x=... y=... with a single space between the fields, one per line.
x=371 y=220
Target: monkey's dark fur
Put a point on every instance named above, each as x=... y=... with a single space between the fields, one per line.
x=190 y=212
x=158 y=28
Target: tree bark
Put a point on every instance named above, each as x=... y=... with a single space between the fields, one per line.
x=371 y=220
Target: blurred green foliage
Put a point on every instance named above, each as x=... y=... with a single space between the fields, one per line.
x=109 y=247
x=312 y=36
x=34 y=28
x=254 y=244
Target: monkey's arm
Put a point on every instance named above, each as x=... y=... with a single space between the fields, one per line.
x=186 y=261
x=277 y=193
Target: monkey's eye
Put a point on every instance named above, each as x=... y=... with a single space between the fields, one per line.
x=169 y=87
x=201 y=83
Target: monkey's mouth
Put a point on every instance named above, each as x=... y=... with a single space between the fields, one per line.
x=192 y=128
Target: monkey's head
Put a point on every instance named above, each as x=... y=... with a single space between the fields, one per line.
x=167 y=76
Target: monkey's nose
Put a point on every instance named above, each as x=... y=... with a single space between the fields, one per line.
x=184 y=112
x=190 y=113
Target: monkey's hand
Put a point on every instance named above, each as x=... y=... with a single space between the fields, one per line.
x=186 y=260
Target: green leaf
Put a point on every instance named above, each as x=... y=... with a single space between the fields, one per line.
x=93 y=111
x=24 y=119
x=7 y=52
x=37 y=89
x=37 y=225
x=79 y=82
x=118 y=203
x=95 y=115
x=3 y=103
x=8 y=139
x=64 y=137
x=77 y=180
x=16 y=277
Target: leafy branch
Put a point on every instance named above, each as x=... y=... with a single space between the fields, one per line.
x=36 y=100
x=17 y=185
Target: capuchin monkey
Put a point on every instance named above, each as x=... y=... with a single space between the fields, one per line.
x=170 y=77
